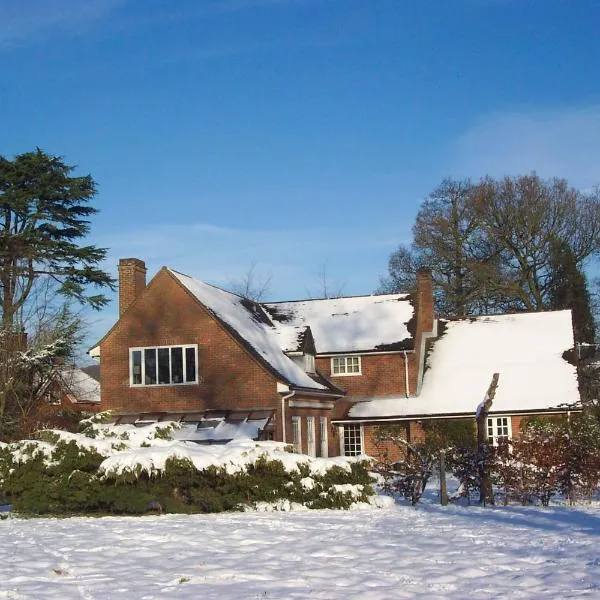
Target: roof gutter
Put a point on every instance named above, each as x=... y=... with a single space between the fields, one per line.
x=544 y=411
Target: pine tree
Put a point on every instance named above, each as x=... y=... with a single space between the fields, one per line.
x=44 y=216
x=568 y=289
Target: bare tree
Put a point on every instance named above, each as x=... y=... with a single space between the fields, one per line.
x=250 y=285
x=326 y=289
x=491 y=245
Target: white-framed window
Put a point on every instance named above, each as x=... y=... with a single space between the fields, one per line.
x=498 y=428
x=297 y=434
x=345 y=365
x=310 y=436
x=351 y=439
x=163 y=365
x=323 y=437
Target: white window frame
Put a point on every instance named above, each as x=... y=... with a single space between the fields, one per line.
x=324 y=437
x=311 y=437
x=497 y=427
x=342 y=431
x=141 y=349
x=297 y=434
x=339 y=365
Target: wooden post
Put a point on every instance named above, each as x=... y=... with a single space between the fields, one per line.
x=443 y=488
x=485 y=490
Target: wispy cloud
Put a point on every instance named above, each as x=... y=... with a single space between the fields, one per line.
x=554 y=143
x=21 y=21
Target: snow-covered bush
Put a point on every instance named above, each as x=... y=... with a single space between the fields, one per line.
x=124 y=469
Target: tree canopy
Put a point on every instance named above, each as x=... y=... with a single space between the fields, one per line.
x=492 y=245
x=44 y=219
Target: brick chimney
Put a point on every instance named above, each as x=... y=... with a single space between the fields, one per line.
x=424 y=300
x=132 y=281
x=426 y=322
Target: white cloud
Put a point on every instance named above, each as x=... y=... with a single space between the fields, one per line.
x=554 y=143
x=21 y=21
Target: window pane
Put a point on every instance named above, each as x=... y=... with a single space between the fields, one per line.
x=190 y=364
x=150 y=365
x=352 y=441
x=296 y=434
x=136 y=367
x=163 y=366
x=177 y=365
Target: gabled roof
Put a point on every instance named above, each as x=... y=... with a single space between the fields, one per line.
x=345 y=325
x=249 y=322
x=526 y=349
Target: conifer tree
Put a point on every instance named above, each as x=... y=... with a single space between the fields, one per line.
x=44 y=218
x=568 y=289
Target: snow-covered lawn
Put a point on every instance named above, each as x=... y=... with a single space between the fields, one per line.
x=398 y=552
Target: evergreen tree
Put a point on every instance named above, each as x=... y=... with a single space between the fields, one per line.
x=568 y=289
x=44 y=216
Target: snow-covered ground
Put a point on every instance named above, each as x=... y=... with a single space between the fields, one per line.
x=398 y=552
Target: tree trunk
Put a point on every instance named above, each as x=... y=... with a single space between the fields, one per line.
x=485 y=490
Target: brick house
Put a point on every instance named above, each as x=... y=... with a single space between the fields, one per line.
x=319 y=374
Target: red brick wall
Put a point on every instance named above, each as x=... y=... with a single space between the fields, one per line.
x=381 y=375
x=387 y=450
x=165 y=314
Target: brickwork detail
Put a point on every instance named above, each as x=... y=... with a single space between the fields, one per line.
x=164 y=315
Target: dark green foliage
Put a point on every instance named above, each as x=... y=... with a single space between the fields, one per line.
x=445 y=433
x=44 y=213
x=69 y=484
x=568 y=289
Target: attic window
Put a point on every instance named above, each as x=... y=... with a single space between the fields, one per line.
x=345 y=365
x=163 y=365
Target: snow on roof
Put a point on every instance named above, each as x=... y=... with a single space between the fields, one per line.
x=357 y=324
x=80 y=385
x=526 y=349
x=252 y=324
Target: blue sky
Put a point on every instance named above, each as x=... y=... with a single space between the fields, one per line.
x=295 y=135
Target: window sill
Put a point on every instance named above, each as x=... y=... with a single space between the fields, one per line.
x=345 y=374
x=161 y=385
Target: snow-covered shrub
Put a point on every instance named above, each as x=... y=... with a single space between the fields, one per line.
x=124 y=469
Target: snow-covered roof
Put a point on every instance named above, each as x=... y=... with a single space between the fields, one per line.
x=252 y=325
x=80 y=386
x=340 y=325
x=525 y=349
